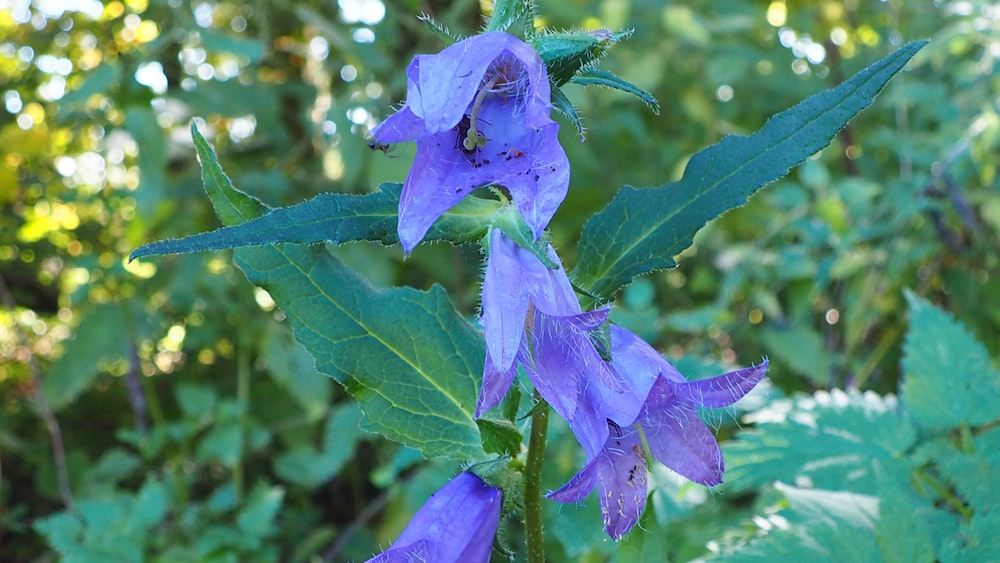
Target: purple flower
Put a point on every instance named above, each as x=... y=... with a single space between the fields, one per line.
x=669 y=421
x=479 y=112
x=457 y=523
x=532 y=318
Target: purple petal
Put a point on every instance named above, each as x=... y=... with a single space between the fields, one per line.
x=504 y=301
x=458 y=523
x=399 y=127
x=622 y=482
x=495 y=385
x=440 y=177
x=637 y=364
x=680 y=440
x=577 y=488
x=557 y=362
x=722 y=390
x=450 y=79
x=541 y=187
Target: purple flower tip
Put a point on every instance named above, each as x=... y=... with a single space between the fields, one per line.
x=479 y=112
x=457 y=523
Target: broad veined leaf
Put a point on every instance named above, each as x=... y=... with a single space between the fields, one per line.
x=333 y=218
x=406 y=355
x=949 y=379
x=832 y=439
x=815 y=525
x=641 y=230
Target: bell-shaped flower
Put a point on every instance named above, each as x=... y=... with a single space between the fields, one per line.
x=532 y=319
x=669 y=422
x=480 y=113
x=458 y=523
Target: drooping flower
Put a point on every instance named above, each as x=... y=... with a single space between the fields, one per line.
x=480 y=113
x=669 y=422
x=458 y=523
x=531 y=318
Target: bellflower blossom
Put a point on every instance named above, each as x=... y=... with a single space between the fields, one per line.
x=532 y=318
x=672 y=428
x=480 y=113
x=458 y=523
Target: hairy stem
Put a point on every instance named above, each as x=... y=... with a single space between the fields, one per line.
x=533 y=482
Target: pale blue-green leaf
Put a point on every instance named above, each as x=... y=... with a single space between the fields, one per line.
x=801 y=348
x=333 y=218
x=817 y=525
x=641 y=230
x=830 y=438
x=975 y=541
x=975 y=474
x=905 y=532
x=949 y=379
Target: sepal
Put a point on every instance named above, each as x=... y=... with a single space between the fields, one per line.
x=566 y=53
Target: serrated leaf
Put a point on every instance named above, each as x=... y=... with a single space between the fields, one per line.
x=817 y=525
x=232 y=206
x=830 y=439
x=595 y=77
x=904 y=531
x=333 y=218
x=949 y=379
x=406 y=355
x=976 y=474
x=641 y=230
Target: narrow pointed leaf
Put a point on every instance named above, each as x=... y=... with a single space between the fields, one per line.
x=333 y=218
x=412 y=362
x=641 y=230
x=594 y=77
x=562 y=104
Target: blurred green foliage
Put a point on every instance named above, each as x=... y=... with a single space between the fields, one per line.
x=195 y=428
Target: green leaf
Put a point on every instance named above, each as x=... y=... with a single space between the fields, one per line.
x=949 y=378
x=291 y=367
x=216 y=42
x=801 y=347
x=830 y=439
x=333 y=218
x=405 y=354
x=256 y=519
x=232 y=206
x=562 y=104
x=309 y=468
x=641 y=230
x=410 y=359
x=499 y=436
x=595 y=77
x=101 y=337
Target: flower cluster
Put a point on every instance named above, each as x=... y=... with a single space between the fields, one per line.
x=479 y=112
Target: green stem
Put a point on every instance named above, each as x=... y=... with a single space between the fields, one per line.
x=243 y=399
x=922 y=476
x=533 y=482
